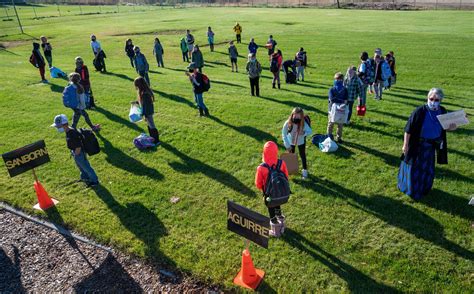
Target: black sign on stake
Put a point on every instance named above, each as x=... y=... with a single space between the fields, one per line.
x=248 y=224
x=25 y=158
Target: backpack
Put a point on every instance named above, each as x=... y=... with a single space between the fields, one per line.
x=33 y=60
x=144 y=141
x=206 y=83
x=274 y=65
x=253 y=69
x=277 y=188
x=70 y=98
x=291 y=77
x=89 y=142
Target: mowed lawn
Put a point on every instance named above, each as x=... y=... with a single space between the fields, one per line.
x=350 y=229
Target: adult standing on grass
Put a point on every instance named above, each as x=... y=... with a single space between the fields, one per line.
x=275 y=67
x=271 y=44
x=254 y=69
x=129 y=50
x=210 y=38
x=74 y=144
x=423 y=136
x=233 y=54
x=38 y=61
x=197 y=80
x=253 y=47
x=197 y=58
x=353 y=85
x=184 y=49
x=99 y=54
x=83 y=72
x=238 y=32
x=141 y=64
x=74 y=98
x=158 y=51
x=189 y=42
x=271 y=161
x=294 y=133
x=145 y=99
x=366 y=73
x=47 y=50
x=337 y=94
x=382 y=73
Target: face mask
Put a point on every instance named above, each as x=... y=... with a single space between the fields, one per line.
x=296 y=120
x=60 y=130
x=433 y=105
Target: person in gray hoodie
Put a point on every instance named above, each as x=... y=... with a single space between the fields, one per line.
x=254 y=69
x=233 y=53
x=141 y=64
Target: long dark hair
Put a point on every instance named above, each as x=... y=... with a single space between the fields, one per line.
x=143 y=88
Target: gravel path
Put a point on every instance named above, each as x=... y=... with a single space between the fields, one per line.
x=37 y=259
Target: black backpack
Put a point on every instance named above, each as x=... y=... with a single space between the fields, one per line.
x=89 y=142
x=274 y=65
x=277 y=188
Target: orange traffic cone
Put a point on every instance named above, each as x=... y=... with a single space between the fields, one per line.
x=248 y=277
x=44 y=201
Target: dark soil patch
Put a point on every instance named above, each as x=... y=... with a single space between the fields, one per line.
x=158 y=32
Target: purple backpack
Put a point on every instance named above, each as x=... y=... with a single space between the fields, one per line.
x=143 y=142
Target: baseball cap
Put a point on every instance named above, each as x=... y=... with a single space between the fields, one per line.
x=59 y=120
x=192 y=65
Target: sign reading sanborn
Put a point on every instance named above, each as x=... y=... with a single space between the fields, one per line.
x=248 y=224
x=25 y=158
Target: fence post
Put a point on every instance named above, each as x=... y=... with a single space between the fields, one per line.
x=17 y=17
x=460 y=4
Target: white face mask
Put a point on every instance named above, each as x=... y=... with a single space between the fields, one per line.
x=433 y=105
x=60 y=130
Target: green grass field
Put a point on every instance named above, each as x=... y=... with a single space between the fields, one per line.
x=350 y=229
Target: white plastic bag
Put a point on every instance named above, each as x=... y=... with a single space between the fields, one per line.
x=135 y=114
x=328 y=145
x=339 y=113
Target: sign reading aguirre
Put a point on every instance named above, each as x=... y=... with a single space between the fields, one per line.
x=248 y=224
x=25 y=158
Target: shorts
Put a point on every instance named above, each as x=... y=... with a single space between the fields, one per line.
x=190 y=47
x=233 y=60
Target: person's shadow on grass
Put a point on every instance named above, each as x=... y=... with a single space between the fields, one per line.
x=392 y=211
x=10 y=273
x=191 y=165
x=294 y=104
x=252 y=132
x=122 y=76
x=356 y=280
x=120 y=159
x=118 y=119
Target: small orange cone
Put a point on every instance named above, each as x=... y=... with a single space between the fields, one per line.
x=44 y=201
x=248 y=277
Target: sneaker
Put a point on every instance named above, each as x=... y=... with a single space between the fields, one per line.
x=281 y=221
x=275 y=229
x=44 y=81
x=339 y=140
x=96 y=128
x=304 y=173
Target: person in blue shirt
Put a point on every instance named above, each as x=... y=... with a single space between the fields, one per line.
x=253 y=47
x=424 y=136
x=337 y=94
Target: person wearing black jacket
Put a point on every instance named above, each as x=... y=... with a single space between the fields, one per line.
x=129 y=50
x=197 y=80
x=424 y=136
x=38 y=61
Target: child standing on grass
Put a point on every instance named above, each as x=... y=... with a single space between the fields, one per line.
x=83 y=71
x=366 y=74
x=254 y=69
x=99 y=54
x=238 y=32
x=47 y=50
x=145 y=99
x=190 y=42
x=337 y=94
x=184 y=49
x=141 y=64
x=38 y=61
x=300 y=59
x=158 y=51
x=353 y=85
x=210 y=38
x=275 y=67
x=129 y=50
x=270 y=160
x=74 y=143
x=197 y=80
x=294 y=133
x=233 y=53
x=197 y=58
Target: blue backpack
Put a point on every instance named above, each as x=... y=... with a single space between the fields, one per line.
x=70 y=98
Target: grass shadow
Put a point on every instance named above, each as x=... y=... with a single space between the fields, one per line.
x=120 y=120
x=227 y=84
x=56 y=88
x=252 y=132
x=10 y=272
x=122 y=76
x=389 y=114
x=218 y=63
x=123 y=161
x=449 y=203
x=293 y=104
x=175 y=98
x=393 y=212
x=191 y=165
x=356 y=280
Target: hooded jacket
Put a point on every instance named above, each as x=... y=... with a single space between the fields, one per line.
x=270 y=157
x=38 y=57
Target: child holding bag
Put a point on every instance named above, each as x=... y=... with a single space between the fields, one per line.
x=294 y=133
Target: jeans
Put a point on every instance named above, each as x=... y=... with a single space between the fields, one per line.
x=199 y=101
x=144 y=74
x=159 y=60
x=88 y=174
x=350 y=104
x=363 y=94
x=302 y=152
x=378 y=87
x=276 y=77
x=185 y=56
x=300 y=72
x=77 y=115
x=254 y=86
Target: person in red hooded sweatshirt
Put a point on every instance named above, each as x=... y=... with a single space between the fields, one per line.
x=270 y=158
